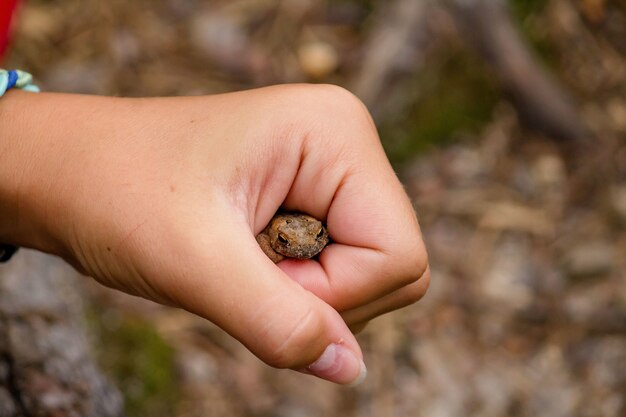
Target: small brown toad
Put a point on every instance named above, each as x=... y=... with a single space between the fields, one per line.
x=293 y=235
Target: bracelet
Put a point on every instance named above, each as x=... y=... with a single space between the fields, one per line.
x=24 y=81
x=16 y=79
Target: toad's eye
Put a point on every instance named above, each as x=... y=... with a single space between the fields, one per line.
x=320 y=233
x=283 y=239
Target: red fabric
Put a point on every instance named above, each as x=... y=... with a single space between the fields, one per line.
x=7 y=10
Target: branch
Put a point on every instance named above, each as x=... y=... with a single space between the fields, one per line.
x=538 y=98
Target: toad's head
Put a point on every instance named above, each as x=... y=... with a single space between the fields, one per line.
x=297 y=235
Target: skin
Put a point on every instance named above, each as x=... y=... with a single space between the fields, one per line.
x=163 y=198
x=293 y=235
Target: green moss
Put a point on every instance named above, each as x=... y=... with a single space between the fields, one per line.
x=457 y=93
x=527 y=13
x=140 y=363
x=457 y=96
x=522 y=9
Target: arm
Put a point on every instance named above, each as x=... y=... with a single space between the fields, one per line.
x=162 y=198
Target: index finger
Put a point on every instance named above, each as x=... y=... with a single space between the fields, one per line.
x=377 y=245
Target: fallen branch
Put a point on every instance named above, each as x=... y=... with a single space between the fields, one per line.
x=538 y=98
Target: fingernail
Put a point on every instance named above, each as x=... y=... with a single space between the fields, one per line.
x=338 y=364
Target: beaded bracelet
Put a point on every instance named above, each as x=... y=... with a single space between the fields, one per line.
x=24 y=81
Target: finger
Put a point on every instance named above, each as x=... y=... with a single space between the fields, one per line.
x=238 y=288
x=358 y=317
x=358 y=327
x=377 y=245
x=350 y=274
x=378 y=248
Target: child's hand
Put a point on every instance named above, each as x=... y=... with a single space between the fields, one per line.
x=163 y=198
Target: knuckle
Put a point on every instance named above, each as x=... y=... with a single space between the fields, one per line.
x=328 y=112
x=332 y=101
x=338 y=94
x=412 y=263
x=417 y=290
x=290 y=348
x=330 y=92
x=344 y=103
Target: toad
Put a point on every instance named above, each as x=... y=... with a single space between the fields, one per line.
x=293 y=235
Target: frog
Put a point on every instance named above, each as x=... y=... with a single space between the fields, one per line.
x=293 y=235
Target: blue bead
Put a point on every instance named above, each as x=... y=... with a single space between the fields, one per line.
x=12 y=79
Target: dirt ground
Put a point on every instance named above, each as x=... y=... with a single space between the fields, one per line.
x=526 y=315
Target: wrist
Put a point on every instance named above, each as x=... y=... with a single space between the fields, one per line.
x=36 y=154
x=20 y=222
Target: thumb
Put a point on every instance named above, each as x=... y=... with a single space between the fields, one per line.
x=244 y=293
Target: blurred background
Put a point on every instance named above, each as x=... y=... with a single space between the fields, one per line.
x=506 y=121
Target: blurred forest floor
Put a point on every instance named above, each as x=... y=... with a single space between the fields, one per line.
x=526 y=315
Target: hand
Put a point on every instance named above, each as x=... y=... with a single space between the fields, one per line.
x=162 y=198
